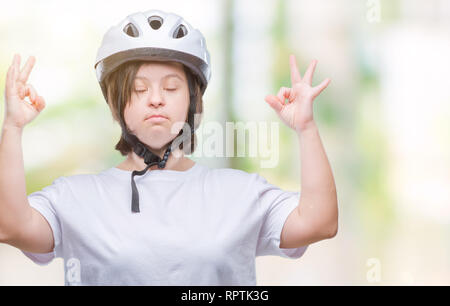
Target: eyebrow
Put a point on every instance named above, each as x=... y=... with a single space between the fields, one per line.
x=165 y=77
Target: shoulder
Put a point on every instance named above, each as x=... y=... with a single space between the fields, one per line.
x=231 y=176
x=81 y=180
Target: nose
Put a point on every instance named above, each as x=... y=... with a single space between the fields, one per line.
x=155 y=99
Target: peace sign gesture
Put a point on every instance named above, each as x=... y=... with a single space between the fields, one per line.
x=18 y=111
x=298 y=112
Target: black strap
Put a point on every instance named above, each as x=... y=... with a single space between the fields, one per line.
x=150 y=159
x=135 y=192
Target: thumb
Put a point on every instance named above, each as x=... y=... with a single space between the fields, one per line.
x=39 y=103
x=274 y=102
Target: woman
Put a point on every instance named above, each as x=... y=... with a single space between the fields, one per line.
x=187 y=224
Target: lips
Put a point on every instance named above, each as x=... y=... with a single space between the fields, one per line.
x=155 y=116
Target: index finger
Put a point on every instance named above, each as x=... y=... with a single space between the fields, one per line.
x=310 y=71
x=295 y=74
x=16 y=66
x=25 y=72
x=9 y=80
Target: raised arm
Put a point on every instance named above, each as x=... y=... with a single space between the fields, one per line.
x=20 y=225
x=316 y=216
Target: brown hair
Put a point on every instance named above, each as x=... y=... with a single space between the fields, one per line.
x=119 y=88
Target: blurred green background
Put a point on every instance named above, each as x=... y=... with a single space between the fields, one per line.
x=384 y=119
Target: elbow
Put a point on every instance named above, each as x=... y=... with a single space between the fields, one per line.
x=325 y=231
x=3 y=237
x=333 y=231
x=328 y=231
x=332 y=226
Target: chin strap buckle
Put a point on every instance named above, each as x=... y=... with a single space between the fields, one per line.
x=149 y=157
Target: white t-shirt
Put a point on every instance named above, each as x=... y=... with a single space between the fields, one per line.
x=203 y=226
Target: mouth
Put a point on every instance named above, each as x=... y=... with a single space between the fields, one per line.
x=156 y=118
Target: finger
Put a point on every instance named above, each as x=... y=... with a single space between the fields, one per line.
x=286 y=93
x=39 y=104
x=33 y=93
x=309 y=72
x=23 y=91
x=16 y=63
x=9 y=80
x=319 y=88
x=274 y=102
x=283 y=94
x=295 y=74
x=25 y=72
x=280 y=94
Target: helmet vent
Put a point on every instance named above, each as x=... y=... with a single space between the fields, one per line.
x=131 y=30
x=180 y=31
x=155 y=22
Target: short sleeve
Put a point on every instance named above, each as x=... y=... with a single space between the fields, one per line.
x=277 y=204
x=45 y=201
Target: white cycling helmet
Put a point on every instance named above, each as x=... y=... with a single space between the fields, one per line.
x=153 y=35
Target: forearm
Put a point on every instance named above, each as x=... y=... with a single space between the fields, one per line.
x=318 y=198
x=14 y=207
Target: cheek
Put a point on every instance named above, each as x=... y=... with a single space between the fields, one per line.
x=181 y=111
x=131 y=115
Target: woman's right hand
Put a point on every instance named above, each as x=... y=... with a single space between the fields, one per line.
x=18 y=111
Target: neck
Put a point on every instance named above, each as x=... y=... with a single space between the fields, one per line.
x=176 y=161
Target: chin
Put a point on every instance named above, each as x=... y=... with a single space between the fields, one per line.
x=156 y=141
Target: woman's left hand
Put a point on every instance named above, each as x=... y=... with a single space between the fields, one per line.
x=298 y=112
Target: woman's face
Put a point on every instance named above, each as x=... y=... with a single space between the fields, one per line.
x=160 y=88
